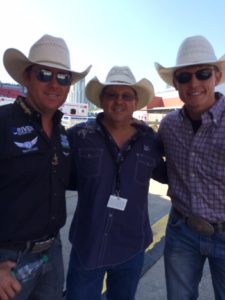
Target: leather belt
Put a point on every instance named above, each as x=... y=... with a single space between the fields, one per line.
x=201 y=225
x=34 y=246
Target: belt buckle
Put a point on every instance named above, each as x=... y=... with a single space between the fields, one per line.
x=200 y=225
x=40 y=246
x=220 y=227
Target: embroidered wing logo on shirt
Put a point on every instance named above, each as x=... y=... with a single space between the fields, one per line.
x=27 y=146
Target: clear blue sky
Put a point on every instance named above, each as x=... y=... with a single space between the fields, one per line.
x=113 y=32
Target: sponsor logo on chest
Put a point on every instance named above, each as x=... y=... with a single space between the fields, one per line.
x=23 y=130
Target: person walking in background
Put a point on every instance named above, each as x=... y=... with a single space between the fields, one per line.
x=194 y=144
x=34 y=172
x=114 y=158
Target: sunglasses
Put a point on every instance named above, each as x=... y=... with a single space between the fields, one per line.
x=45 y=75
x=111 y=96
x=185 y=77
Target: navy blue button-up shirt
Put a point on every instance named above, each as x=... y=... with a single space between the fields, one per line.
x=34 y=173
x=101 y=235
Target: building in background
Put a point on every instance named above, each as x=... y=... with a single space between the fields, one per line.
x=163 y=103
x=77 y=95
x=9 y=92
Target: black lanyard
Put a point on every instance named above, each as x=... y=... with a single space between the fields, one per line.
x=121 y=156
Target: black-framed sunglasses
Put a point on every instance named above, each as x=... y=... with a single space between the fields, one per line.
x=112 y=96
x=185 y=77
x=45 y=75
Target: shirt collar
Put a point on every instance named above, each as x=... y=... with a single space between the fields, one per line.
x=217 y=109
x=214 y=113
x=32 y=113
x=140 y=125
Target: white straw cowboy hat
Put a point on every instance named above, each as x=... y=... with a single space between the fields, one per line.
x=48 y=51
x=121 y=76
x=194 y=50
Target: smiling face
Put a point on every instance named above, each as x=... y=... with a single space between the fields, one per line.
x=118 y=103
x=198 y=92
x=45 y=96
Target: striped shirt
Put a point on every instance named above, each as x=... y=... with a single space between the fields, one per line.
x=196 y=161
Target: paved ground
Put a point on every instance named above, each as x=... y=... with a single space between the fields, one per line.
x=152 y=283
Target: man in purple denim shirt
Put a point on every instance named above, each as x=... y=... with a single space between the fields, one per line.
x=114 y=159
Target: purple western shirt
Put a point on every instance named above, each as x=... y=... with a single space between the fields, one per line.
x=196 y=161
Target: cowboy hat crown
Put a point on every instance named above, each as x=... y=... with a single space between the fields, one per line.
x=48 y=51
x=194 y=50
x=121 y=76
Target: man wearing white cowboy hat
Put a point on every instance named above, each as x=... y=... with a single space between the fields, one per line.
x=194 y=143
x=35 y=166
x=114 y=159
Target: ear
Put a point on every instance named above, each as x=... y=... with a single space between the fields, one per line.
x=174 y=83
x=26 y=77
x=101 y=99
x=218 y=75
x=136 y=101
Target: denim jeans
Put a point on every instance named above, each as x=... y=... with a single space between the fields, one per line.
x=47 y=282
x=185 y=254
x=122 y=280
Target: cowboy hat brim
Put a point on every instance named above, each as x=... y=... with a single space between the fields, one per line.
x=143 y=88
x=167 y=74
x=16 y=63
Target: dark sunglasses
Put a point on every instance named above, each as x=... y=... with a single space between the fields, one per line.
x=185 y=77
x=45 y=75
x=112 y=96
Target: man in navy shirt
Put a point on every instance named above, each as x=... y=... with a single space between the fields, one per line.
x=34 y=172
x=114 y=158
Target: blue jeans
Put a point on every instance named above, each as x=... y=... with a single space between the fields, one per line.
x=185 y=254
x=47 y=282
x=122 y=280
